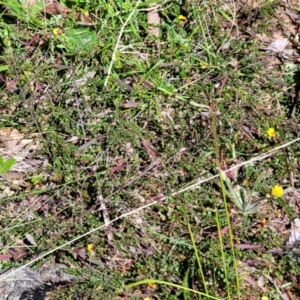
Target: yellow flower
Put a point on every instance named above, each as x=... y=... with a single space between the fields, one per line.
x=203 y=65
x=264 y=298
x=90 y=247
x=277 y=191
x=271 y=133
x=182 y=19
x=263 y=223
x=152 y=285
x=57 y=31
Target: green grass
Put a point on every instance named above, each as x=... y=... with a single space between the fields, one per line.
x=205 y=102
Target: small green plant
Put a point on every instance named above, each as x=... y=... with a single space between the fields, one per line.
x=36 y=179
x=243 y=199
x=74 y=40
x=239 y=195
x=6 y=165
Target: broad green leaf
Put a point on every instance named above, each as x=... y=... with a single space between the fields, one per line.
x=7 y=165
x=4 y=68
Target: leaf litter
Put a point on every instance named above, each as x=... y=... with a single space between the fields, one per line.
x=13 y=145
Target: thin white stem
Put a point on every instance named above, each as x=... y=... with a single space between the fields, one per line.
x=118 y=42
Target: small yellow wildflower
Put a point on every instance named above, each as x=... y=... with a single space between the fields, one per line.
x=277 y=191
x=90 y=248
x=57 y=31
x=147 y=298
x=152 y=285
x=203 y=65
x=271 y=133
x=264 y=298
x=182 y=19
x=263 y=223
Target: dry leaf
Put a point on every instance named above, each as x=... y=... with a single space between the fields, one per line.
x=278 y=45
x=106 y=217
x=118 y=167
x=30 y=239
x=250 y=280
x=153 y=18
x=153 y=154
x=295 y=232
x=12 y=145
x=12 y=139
x=55 y=8
x=73 y=139
x=83 y=18
x=130 y=104
x=148 y=84
x=5 y=257
x=9 y=137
